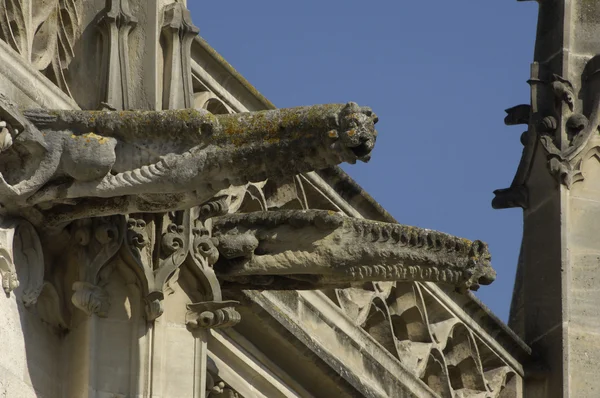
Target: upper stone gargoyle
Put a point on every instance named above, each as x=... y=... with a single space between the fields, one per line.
x=96 y=163
x=312 y=249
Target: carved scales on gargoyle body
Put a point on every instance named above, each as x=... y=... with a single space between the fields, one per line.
x=167 y=160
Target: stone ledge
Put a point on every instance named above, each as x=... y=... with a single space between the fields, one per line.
x=319 y=324
x=26 y=80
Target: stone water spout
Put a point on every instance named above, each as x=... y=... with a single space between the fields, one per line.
x=100 y=163
x=313 y=249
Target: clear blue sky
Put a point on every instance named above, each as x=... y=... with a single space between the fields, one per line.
x=438 y=73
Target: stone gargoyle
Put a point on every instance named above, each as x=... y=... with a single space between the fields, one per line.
x=312 y=249
x=77 y=164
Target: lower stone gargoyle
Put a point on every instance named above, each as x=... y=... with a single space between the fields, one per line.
x=98 y=163
x=295 y=249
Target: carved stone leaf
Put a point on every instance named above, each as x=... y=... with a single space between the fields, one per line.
x=43 y=32
x=12 y=23
x=7 y=266
x=29 y=258
x=44 y=46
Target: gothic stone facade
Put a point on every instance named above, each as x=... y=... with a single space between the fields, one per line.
x=206 y=244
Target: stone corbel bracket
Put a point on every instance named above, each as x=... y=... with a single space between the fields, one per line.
x=101 y=238
x=212 y=315
x=158 y=246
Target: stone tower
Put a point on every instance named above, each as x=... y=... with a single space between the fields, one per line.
x=557 y=293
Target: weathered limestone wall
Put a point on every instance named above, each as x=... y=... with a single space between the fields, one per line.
x=558 y=293
x=30 y=360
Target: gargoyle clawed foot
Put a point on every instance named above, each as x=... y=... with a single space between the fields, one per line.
x=7 y=190
x=5 y=136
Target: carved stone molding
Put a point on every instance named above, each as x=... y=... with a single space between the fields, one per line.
x=178 y=32
x=43 y=32
x=212 y=315
x=116 y=25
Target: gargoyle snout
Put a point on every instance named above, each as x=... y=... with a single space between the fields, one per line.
x=358 y=130
x=487 y=278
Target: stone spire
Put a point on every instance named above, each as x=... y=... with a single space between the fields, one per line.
x=557 y=291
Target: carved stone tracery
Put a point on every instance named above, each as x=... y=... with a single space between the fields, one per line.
x=429 y=340
x=43 y=32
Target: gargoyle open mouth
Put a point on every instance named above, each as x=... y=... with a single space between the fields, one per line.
x=363 y=150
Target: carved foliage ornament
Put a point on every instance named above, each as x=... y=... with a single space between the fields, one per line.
x=43 y=32
x=291 y=249
x=154 y=247
x=21 y=260
x=559 y=123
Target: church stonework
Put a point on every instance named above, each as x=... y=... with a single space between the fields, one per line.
x=554 y=307
x=166 y=232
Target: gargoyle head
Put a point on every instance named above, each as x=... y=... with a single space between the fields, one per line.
x=356 y=131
